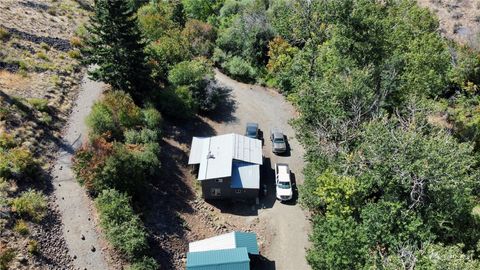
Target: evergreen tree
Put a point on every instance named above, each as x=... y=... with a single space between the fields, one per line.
x=178 y=13
x=116 y=48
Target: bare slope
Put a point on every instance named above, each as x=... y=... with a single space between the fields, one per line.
x=459 y=19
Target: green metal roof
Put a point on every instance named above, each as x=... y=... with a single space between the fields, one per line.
x=223 y=259
x=248 y=240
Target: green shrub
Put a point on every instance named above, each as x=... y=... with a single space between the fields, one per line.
x=219 y=56
x=7 y=140
x=43 y=56
x=6 y=257
x=4 y=166
x=240 y=69
x=152 y=118
x=32 y=247
x=40 y=104
x=75 y=54
x=112 y=115
x=46 y=118
x=146 y=263
x=4 y=34
x=104 y=165
x=4 y=187
x=188 y=105
x=154 y=20
x=21 y=161
x=21 y=227
x=45 y=46
x=194 y=85
x=128 y=169
x=165 y=53
x=142 y=136
x=201 y=36
x=177 y=103
x=81 y=31
x=102 y=122
x=122 y=227
x=18 y=160
x=32 y=204
x=192 y=73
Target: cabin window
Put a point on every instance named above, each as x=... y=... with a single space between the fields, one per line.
x=216 y=192
x=219 y=180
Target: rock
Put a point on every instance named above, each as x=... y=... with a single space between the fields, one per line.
x=93 y=249
x=83 y=237
x=21 y=259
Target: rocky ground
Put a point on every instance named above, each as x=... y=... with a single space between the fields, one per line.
x=39 y=77
x=459 y=19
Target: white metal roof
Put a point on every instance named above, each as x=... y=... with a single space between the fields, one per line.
x=196 y=150
x=224 y=241
x=230 y=240
x=216 y=154
x=247 y=149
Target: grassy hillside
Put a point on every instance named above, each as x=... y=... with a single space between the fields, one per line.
x=39 y=78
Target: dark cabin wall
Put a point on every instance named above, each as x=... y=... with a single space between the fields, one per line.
x=224 y=186
x=245 y=194
x=225 y=191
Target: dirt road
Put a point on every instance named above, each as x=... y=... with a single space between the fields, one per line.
x=83 y=241
x=288 y=222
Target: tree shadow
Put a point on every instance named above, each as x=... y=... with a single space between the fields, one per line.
x=171 y=192
x=184 y=131
x=53 y=42
x=34 y=5
x=49 y=131
x=168 y=195
x=224 y=113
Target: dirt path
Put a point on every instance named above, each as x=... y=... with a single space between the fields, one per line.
x=83 y=241
x=288 y=222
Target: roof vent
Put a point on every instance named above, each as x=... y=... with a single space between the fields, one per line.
x=210 y=155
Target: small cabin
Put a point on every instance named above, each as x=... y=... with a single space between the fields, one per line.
x=228 y=166
x=227 y=251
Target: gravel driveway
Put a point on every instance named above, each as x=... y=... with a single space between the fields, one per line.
x=288 y=222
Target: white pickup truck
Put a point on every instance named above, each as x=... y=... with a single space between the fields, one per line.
x=283 y=183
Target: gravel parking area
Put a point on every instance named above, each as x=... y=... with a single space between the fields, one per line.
x=287 y=222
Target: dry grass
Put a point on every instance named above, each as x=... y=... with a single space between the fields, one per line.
x=76 y=42
x=440 y=120
x=11 y=80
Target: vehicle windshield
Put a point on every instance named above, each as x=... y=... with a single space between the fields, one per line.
x=284 y=185
x=278 y=140
x=252 y=131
